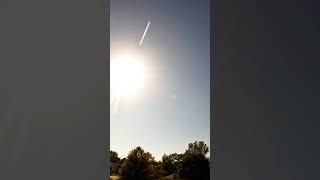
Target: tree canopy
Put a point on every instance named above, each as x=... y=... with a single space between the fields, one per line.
x=114 y=157
x=170 y=162
x=194 y=163
x=194 y=166
x=198 y=148
x=138 y=165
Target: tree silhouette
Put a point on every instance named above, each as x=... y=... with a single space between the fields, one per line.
x=114 y=157
x=138 y=165
x=195 y=164
x=198 y=148
x=170 y=162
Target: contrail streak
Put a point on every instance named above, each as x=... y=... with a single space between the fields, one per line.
x=145 y=31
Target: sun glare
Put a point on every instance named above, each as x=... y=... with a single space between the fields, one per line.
x=127 y=75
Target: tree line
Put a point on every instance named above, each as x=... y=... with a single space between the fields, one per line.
x=193 y=164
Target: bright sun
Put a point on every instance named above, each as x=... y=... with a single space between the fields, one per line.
x=127 y=75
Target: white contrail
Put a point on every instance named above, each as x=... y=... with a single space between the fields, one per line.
x=145 y=31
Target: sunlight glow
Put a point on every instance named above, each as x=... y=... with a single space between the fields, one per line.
x=127 y=75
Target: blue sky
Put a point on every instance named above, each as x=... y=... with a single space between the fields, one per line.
x=173 y=109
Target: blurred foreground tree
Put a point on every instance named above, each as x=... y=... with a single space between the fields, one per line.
x=138 y=165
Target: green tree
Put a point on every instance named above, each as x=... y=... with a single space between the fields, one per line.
x=114 y=157
x=194 y=166
x=138 y=165
x=194 y=163
x=170 y=162
x=198 y=148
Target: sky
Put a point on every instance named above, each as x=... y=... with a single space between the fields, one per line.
x=172 y=109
